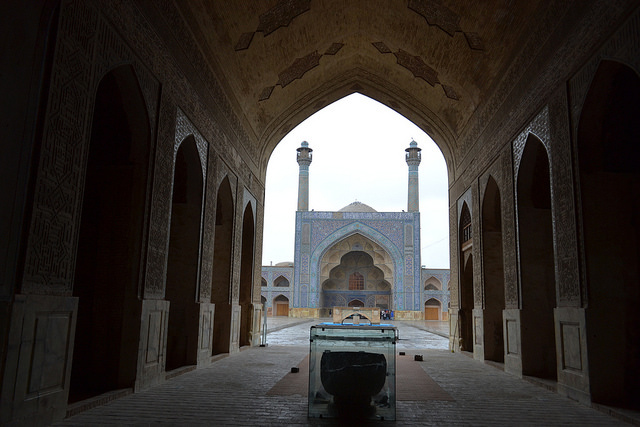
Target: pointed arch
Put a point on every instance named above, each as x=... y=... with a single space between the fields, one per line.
x=432 y=284
x=466 y=303
x=537 y=271
x=493 y=272
x=109 y=251
x=246 y=274
x=281 y=305
x=183 y=259
x=221 y=277
x=432 y=309
x=369 y=233
x=281 y=282
x=355 y=303
x=359 y=81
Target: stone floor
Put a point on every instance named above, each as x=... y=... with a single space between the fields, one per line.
x=233 y=391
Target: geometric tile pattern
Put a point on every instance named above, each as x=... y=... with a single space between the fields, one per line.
x=385 y=228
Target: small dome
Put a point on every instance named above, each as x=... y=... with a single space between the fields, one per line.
x=284 y=264
x=357 y=207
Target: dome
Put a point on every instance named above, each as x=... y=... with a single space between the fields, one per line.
x=284 y=264
x=357 y=207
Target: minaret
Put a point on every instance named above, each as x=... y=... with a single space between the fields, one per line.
x=413 y=160
x=304 y=160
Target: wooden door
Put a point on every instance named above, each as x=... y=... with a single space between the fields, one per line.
x=431 y=313
x=282 y=309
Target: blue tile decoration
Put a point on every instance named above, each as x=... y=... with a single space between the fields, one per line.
x=387 y=229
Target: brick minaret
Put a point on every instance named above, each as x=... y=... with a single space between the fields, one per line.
x=413 y=160
x=304 y=160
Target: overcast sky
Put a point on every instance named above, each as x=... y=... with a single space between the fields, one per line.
x=358 y=154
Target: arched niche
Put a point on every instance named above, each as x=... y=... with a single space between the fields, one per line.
x=221 y=277
x=537 y=272
x=493 y=273
x=281 y=282
x=465 y=312
x=608 y=153
x=432 y=284
x=246 y=274
x=281 y=306
x=184 y=253
x=109 y=249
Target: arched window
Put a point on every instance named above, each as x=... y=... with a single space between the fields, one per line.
x=432 y=284
x=281 y=282
x=465 y=222
x=356 y=282
x=263 y=282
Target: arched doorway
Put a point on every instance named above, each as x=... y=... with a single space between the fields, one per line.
x=465 y=313
x=355 y=303
x=110 y=244
x=432 y=309
x=184 y=255
x=493 y=272
x=246 y=275
x=537 y=276
x=221 y=277
x=281 y=305
x=608 y=154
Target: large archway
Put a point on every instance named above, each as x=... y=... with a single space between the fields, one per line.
x=110 y=244
x=608 y=153
x=356 y=278
x=493 y=272
x=183 y=259
x=221 y=277
x=537 y=273
x=373 y=257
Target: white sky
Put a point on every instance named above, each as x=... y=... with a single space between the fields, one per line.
x=358 y=154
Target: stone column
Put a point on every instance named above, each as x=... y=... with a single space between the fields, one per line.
x=304 y=160
x=413 y=160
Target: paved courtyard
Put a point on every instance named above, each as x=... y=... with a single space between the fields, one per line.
x=233 y=391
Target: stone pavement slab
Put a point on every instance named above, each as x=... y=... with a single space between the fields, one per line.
x=233 y=391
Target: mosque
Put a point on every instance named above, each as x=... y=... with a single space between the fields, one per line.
x=356 y=257
x=134 y=142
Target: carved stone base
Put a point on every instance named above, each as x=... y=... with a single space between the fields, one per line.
x=39 y=350
x=236 y=311
x=478 y=334
x=512 y=341
x=571 y=353
x=205 y=338
x=153 y=343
